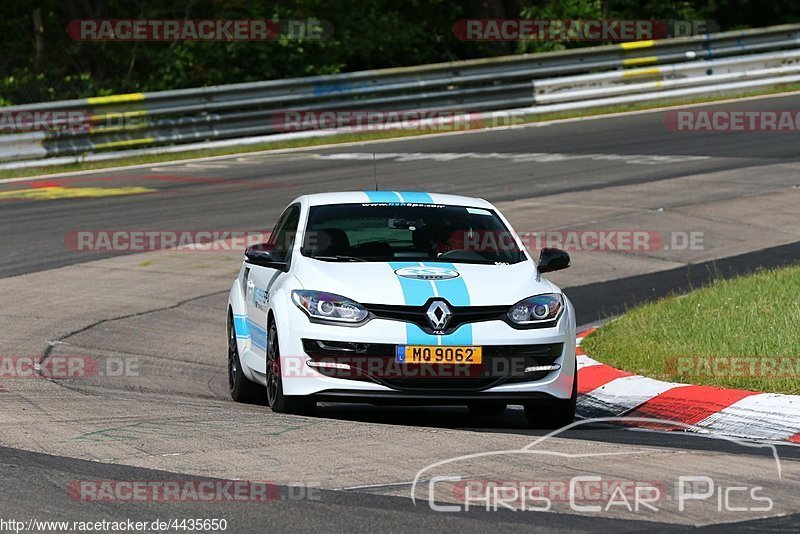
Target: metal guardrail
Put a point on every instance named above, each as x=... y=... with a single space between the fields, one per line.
x=170 y=121
x=631 y=81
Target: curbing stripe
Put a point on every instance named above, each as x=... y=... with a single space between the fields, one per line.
x=777 y=417
x=584 y=334
x=608 y=392
x=689 y=404
x=597 y=376
x=624 y=394
x=585 y=361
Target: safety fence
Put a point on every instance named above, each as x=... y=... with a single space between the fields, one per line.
x=109 y=127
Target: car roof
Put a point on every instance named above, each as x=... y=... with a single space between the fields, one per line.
x=403 y=197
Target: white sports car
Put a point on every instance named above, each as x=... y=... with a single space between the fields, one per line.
x=401 y=297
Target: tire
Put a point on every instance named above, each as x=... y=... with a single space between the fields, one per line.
x=279 y=402
x=240 y=387
x=555 y=413
x=487 y=407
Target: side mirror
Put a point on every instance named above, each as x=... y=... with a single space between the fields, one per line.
x=265 y=255
x=553 y=259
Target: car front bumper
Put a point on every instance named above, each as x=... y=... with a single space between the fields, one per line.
x=496 y=337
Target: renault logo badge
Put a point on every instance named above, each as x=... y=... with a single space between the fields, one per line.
x=438 y=314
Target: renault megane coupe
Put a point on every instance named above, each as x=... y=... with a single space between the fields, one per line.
x=401 y=297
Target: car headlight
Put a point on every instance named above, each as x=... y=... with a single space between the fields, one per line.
x=536 y=310
x=329 y=307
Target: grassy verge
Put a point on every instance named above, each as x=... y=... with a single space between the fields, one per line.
x=369 y=136
x=740 y=333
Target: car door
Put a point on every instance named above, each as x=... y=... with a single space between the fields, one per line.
x=260 y=280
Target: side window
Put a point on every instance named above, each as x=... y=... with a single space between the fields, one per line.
x=285 y=232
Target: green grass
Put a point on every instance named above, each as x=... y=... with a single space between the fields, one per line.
x=369 y=136
x=684 y=338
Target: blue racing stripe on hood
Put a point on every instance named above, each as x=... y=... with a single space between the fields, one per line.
x=415 y=292
x=462 y=336
x=454 y=290
x=415 y=336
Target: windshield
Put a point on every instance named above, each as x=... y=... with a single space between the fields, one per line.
x=371 y=232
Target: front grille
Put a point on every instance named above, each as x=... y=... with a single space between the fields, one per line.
x=376 y=362
x=416 y=314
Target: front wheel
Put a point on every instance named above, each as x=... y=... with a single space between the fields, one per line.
x=279 y=402
x=553 y=414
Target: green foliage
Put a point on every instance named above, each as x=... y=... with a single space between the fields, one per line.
x=749 y=318
x=368 y=34
x=559 y=10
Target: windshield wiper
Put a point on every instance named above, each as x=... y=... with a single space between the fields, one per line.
x=338 y=258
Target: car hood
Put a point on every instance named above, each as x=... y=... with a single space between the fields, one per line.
x=413 y=283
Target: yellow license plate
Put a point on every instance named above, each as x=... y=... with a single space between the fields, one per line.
x=439 y=354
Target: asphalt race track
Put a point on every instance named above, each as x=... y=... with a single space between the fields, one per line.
x=163 y=315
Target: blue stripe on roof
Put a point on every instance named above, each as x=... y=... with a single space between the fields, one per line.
x=416 y=197
x=383 y=196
